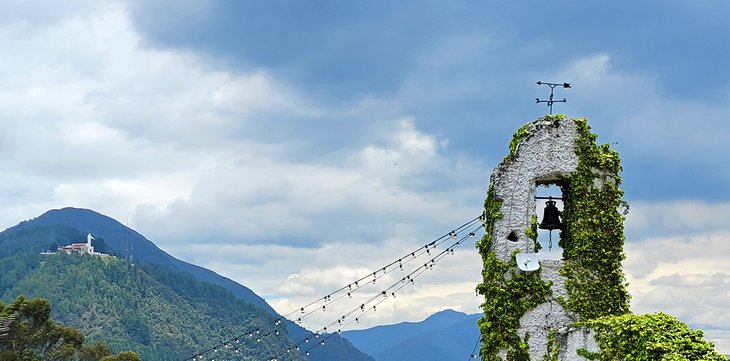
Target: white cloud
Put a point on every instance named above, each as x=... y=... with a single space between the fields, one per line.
x=676 y=217
x=156 y=137
x=94 y=118
x=650 y=124
x=291 y=277
x=97 y=120
x=263 y=200
x=686 y=276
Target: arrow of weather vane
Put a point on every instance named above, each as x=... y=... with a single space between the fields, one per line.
x=550 y=100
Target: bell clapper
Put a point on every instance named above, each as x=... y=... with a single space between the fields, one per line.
x=550 y=240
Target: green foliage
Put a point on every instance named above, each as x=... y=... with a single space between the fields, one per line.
x=509 y=294
x=593 y=238
x=524 y=133
x=648 y=337
x=517 y=138
x=531 y=232
x=592 y=243
x=553 y=346
x=160 y=314
x=37 y=239
x=33 y=335
x=123 y=356
x=100 y=246
x=94 y=352
x=521 y=352
x=492 y=213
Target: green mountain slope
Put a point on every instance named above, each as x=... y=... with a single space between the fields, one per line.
x=67 y=225
x=124 y=241
x=160 y=314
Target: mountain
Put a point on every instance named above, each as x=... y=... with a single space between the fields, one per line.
x=444 y=336
x=129 y=244
x=67 y=225
x=158 y=313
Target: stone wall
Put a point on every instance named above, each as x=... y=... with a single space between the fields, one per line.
x=546 y=152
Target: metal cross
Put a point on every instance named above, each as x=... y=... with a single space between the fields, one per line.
x=550 y=101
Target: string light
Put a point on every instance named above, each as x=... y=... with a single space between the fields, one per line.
x=426 y=249
x=474 y=350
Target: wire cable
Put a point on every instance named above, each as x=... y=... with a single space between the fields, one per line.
x=379 y=298
x=474 y=355
x=352 y=288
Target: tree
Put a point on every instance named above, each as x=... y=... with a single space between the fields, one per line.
x=32 y=335
x=94 y=352
x=123 y=356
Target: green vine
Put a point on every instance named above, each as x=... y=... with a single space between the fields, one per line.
x=647 y=338
x=508 y=292
x=553 y=346
x=593 y=238
x=517 y=138
x=522 y=351
x=531 y=233
x=492 y=213
x=592 y=242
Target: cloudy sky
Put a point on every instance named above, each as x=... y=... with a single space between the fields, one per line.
x=312 y=141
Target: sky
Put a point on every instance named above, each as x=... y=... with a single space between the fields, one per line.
x=294 y=146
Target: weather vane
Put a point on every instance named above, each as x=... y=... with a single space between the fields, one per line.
x=550 y=101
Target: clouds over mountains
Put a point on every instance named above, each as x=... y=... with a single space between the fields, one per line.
x=307 y=140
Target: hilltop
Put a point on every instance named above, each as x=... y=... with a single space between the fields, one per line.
x=158 y=313
x=159 y=306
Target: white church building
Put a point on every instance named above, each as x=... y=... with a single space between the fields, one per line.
x=82 y=248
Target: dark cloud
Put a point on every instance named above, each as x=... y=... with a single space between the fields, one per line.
x=276 y=130
x=466 y=71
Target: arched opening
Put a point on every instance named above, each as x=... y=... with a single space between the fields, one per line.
x=549 y=194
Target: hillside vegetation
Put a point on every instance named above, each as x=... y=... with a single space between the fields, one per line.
x=66 y=225
x=160 y=314
x=28 y=333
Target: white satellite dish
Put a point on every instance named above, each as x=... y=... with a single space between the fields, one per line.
x=527 y=262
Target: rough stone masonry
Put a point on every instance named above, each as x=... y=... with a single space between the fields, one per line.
x=540 y=158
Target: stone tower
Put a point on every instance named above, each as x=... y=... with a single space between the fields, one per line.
x=532 y=314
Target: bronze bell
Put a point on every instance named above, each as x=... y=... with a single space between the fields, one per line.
x=551 y=218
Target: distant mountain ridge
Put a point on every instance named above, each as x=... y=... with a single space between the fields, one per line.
x=444 y=336
x=69 y=224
